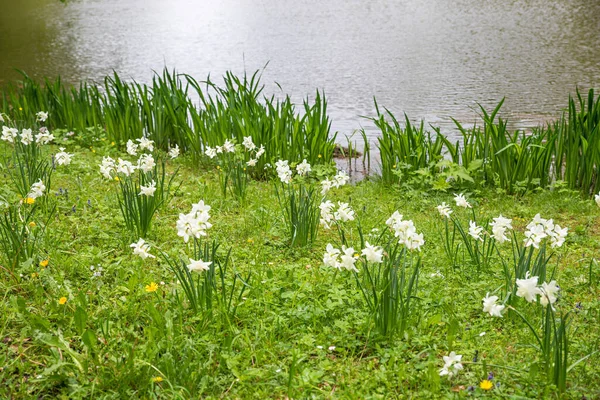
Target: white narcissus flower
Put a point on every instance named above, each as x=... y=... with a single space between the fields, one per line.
x=461 y=201
x=199 y=265
x=326 y=186
x=1 y=117
x=26 y=137
x=146 y=144
x=444 y=210
x=340 y=179
x=125 y=167
x=303 y=168
x=174 y=152
x=597 y=199
x=549 y=293
x=373 y=253
x=148 y=190
x=326 y=213
x=534 y=235
x=107 y=166
x=330 y=258
x=499 y=227
x=42 y=116
x=195 y=223
x=132 y=148
x=62 y=157
x=44 y=137
x=141 y=248
x=146 y=163
x=283 y=171
x=228 y=146
x=414 y=241
x=490 y=306
x=475 y=231
x=248 y=143
x=452 y=364
x=528 y=288
x=37 y=190
x=210 y=152
x=261 y=151
x=9 y=134
x=558 y=236
x=344 y=212
x=251 y=162
x=348 y=258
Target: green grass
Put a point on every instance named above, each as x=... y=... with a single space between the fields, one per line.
x=112 y=337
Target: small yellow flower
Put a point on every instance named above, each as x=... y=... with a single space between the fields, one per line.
x=30 y=200
x=44 y=263
x=157 y=379
x=34 y=275
x=218 y=167
x=62 y=301
x=93 y=150
x=486 y=385
x=117 y=178
x=20 y=108
x=394 y=167
x=319 y=156
x=32 y=224
x=250 y=240
x=112 y=143
x=152 y=287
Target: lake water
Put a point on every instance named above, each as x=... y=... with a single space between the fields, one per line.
x=430 y=59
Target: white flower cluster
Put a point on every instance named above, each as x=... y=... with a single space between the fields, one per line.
x=540 y=228
x=62 y=157
x=195 y=223
x=444 y=210
x=452 y=365
x=174 y=152
x=108 y=166
x=142 y=249
x=461 y=201
x=499 y=227
x=26 y=137
x=228 y=147
x=405 y=231
x=344 y=213
x=490 y=306
x=475 y=231
x=340 y=179
x=284 y=172
x=529 y=290
x=347 y=256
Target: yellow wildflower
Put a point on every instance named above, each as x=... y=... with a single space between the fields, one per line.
x=32 y=224
x=486 y=385
x=30 y=200
x=157 y=379
x=152 y=287
x=62 y=301
x=44 y=263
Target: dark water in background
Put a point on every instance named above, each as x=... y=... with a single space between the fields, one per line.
x=431 y=59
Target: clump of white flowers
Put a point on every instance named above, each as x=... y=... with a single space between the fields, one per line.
x=284 y=172
x=142 y=249
x=148 y=190
x=11 y=135
x=490 y=306
x=540 y=228
x=42 y=116
x=405 y=231
x=303 y=168
x=344 y=259
x=44 y=137
x=452 y=365
x=132 y=148
x=528 y=289
x=344 y=213
x=174 y=152
x=37 y=190
x=195 y=223
x=340 y=179
x=500 y=226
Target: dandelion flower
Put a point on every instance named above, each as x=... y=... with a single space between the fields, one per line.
x=152 y=287
x=62 y=300
x=486 y=385
x=44 y=263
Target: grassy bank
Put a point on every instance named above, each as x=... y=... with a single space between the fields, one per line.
x=84 y=317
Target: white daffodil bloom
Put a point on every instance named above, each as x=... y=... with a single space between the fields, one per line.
x=558 y=236
x=9 y=134
x=42 y=116
x=348 y=258
x=132 y=148
x=195 y=223
x=107 y=166
x=37 y=190
x=125 y=167
x=174 y=152
x=534 y=235
x=499 y=227
x=261 y=151
x=549 y=293
x=461 y=201
x=200 y=208
x=344 y=212
x=44 y=137
x=444 y=210
x=228 y=146
x=373 y=253
x=340 y=179
x=210 y=152
x=475 y=231
x=283 y=171
x=248 y=143
x=330 y=258
x=148 y=190
x=528 y=288
x=62 y=157
x=251 y=162
x=414 y=241
x=452 y=365
x=326 y=214
x=326 y=186
x=146 y=144
x=141 y=248
x=1 y=117
x=303 y=168
x=490 y=306
x=26 y=137
x=199 y=265
x=146 y=162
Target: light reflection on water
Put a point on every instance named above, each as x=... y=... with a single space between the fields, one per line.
x=430 y=59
